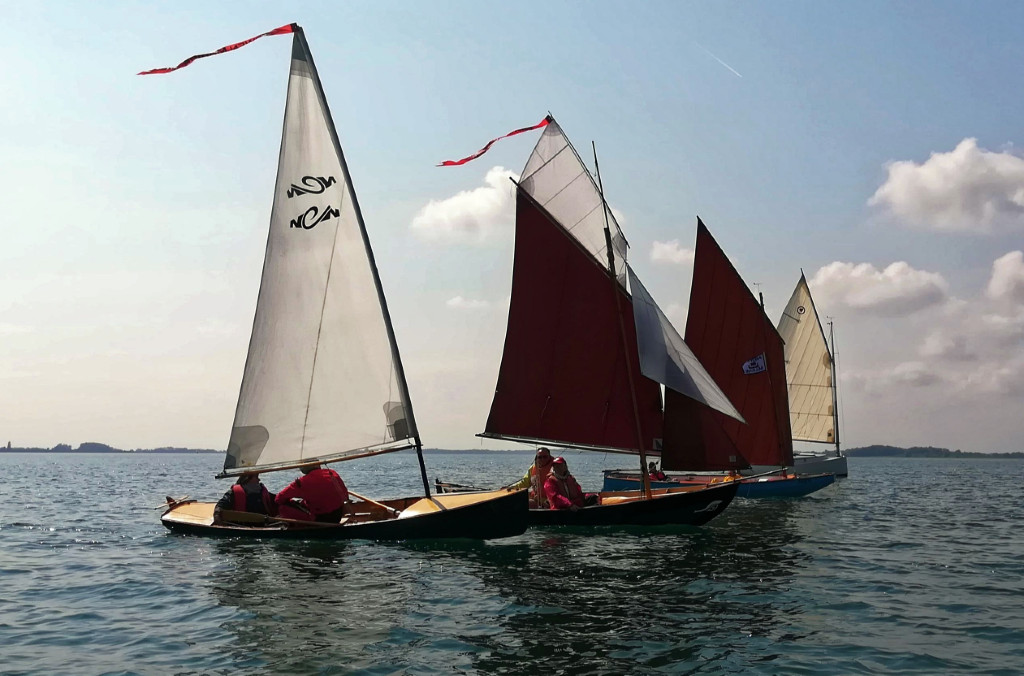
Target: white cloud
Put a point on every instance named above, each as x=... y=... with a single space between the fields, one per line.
x=671 y=252
x=1007 y=282
x=470 y=215
x=968 y=189
x=460 y=303
x=897 y=290
x=941 y=345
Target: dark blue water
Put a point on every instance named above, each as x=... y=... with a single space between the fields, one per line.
x=908 y=566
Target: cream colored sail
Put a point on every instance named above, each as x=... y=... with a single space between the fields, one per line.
x=808 y=369
x=323 y=377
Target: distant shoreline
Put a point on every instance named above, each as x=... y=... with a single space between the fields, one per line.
x=861 y=452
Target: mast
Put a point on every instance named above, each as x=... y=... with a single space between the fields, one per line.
x=835 y=386
x=396 y=358
x=644 y=477
x=768 y=371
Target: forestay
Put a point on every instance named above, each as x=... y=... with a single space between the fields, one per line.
x=322 y=378
x=808 y=368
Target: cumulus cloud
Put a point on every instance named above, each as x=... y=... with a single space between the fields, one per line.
x=1007 y=282
x=897 y=290
x=968 y=189
x=943 y=346
x=470 y=215
x=671 y=252
x=460 y=303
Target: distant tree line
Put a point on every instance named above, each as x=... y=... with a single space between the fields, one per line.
x=94 y=447
x=921 y=452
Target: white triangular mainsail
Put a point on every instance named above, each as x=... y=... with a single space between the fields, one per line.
x=808 y=369
x=557 y=179
x=323 y=377
x=665 y=357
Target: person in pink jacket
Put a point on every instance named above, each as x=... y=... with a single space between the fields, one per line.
x=562 y=489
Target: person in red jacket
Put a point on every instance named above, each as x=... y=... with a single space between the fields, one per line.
x=562 y=489
x=248 y=494
x=318 y=495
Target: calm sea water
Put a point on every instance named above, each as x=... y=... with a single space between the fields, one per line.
x=907 y=566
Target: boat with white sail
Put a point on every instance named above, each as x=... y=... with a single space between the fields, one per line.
x=323 y=379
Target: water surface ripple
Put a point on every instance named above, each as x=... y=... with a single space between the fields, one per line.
x=907 y=567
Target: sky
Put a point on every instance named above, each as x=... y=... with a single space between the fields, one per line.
x=875 y=146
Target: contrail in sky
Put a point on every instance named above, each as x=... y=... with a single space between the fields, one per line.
x=708 y=52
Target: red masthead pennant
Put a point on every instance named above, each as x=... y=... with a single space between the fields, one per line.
x=455 y=163
x=283 y=30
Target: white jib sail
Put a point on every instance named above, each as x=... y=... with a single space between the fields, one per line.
x=558 y=180
x=665 y=358
x=320 y=378
x=808 y=368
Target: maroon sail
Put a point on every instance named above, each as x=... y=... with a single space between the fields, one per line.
x=738 y=345
x=563 y=377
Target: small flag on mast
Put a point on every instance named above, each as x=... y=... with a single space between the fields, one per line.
x=755 y=365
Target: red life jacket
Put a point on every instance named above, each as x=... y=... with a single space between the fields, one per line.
x=242 y=499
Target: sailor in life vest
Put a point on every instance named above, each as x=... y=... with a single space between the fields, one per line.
x=654 y=473
x=248 y=494
x=563 y=491
x=535 y=477
x=318 y=495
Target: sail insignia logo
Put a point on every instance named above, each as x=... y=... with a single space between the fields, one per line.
x=311 y=185
x=313 y=216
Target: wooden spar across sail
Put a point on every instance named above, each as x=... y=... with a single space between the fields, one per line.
x=323 y=379
x=809 y=369
x=563 y=376
x=726 y=328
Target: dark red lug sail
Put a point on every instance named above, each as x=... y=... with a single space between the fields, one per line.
x=727 y=328
x=563 y=375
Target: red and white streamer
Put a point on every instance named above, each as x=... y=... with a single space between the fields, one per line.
x=282 y=30
x=455 y=163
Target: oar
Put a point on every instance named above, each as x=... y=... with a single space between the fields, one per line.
x=373 y=502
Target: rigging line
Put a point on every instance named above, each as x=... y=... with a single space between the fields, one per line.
x=645 y=480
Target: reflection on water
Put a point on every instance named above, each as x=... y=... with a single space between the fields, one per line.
x=565 y=600
x=907 y=567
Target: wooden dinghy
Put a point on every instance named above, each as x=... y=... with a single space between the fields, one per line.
x=323 y=379
x=492 y=514
x=586 y=347
x=790 y=486
x=676 y=505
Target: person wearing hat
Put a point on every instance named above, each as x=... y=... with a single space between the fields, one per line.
x=318 y=495
x=248 y=494
x=562 y=489
x=535 y=477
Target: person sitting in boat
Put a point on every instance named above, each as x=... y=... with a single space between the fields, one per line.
x=318 y=495
x=248 y=494
x=562 y=489
x=535 y=477
x=654 y=473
